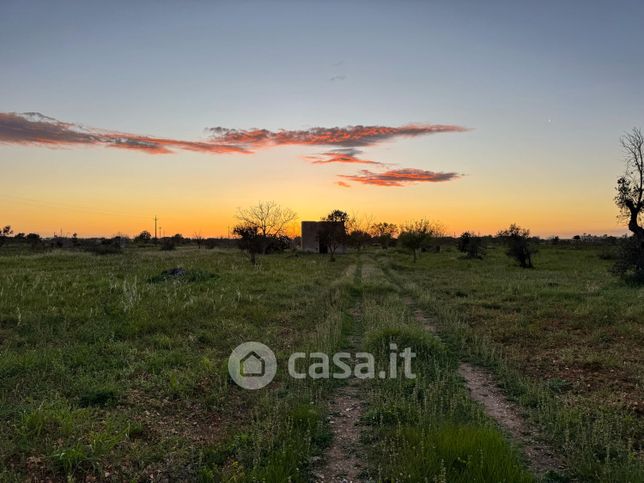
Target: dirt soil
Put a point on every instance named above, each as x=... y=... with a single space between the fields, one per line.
x=344 y=459
x=483 y=388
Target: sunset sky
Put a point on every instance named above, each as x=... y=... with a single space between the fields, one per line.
x=474 y=114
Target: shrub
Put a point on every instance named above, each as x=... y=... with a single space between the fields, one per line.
x=34 y=240
x=143 y=237
x=106 y=247
x=168 y=244
x=629 y=258
x=519 y=246
x=417 y=235
x=471 y=245
x=609 y=252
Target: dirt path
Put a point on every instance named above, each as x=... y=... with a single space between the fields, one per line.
x=343 y=461
x=484 y=389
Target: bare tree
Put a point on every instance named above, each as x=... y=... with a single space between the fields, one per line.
x=263 y=226
x=270 y=219
x=384 y=233
x=198 y=238
x=357 y=228
x=630 y=195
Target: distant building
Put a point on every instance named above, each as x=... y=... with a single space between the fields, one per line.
x=313 y=236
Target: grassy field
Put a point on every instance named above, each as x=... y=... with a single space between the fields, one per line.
x=111 y=369
x=565 y=340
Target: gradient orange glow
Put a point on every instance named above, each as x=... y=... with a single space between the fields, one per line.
x=121 y=194
x=476 y=118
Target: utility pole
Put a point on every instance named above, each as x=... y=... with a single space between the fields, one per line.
x=155 y=227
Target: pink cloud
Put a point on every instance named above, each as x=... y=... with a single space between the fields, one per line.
x=400 y=177
x=34 y=128
x=345 y=155
x=350 y=136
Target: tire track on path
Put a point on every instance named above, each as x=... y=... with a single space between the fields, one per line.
x=344 y=459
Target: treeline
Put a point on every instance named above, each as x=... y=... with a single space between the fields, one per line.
x=105 y=245
x=263 y=229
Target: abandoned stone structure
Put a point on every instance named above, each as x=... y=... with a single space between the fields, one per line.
x=311 y=239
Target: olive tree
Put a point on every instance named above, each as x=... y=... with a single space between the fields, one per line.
x=630 y=201
x=519 y=246
x=471 y=245
x=333 y=234
x=5 y=233
x=249 y=240
x=384 y=233
x=417 y=235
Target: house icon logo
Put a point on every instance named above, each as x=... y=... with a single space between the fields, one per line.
x=252 y=365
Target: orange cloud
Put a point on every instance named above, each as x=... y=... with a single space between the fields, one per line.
x=34 y=128
x=351 y=136
x=400 y=177
x=349 y=155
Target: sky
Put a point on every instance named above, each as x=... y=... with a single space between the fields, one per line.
x=472 y=114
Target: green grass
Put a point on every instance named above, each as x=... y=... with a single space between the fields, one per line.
x=426 y=428
x=564 y=339
x=454 y=453
x=107 y=365
x=111 y=366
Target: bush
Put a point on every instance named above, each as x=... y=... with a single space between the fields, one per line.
x=106 y=247
x=471 y=245
x=519 y=246
x=34 y=240
x=417 y=235
x=143 y=237
x=277 y=244
x=168 y=244
x=629 y=262
x=609 y=252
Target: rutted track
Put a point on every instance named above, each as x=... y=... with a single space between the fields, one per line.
x=484 y=389
x=344 y=459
